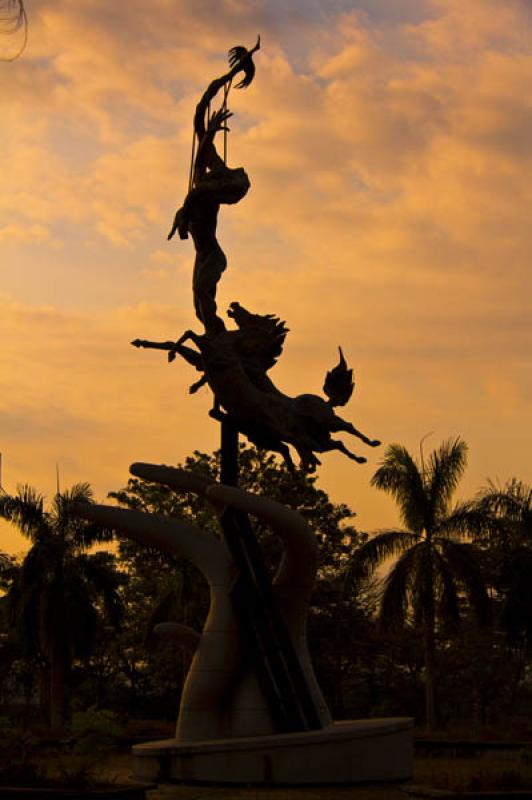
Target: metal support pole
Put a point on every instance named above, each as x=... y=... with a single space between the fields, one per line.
x=263 y=628
x=229 y=458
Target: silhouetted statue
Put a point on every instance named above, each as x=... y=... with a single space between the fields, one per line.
x=251 y=707
x=235 y=365
x=212 y=183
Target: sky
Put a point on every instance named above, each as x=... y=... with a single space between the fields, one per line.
x=389 y=148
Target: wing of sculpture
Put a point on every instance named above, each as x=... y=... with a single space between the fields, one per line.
x=339 y=383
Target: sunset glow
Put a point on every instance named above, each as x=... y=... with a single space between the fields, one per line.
x=389 y=150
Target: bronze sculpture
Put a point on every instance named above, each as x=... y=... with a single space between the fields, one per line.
x=234 y=363
x=251 y=705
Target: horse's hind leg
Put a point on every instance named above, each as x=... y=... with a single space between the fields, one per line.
x=335 y=445
x=349 y=428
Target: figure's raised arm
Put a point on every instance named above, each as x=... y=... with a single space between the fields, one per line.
x=207 y=156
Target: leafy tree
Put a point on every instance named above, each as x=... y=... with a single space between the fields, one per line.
x=343 y=642
x=508 y=550
x=260 y=473
x=61 y=589
x=9 y=652
x=432 y=567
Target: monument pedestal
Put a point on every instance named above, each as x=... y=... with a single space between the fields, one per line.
x=353 y=751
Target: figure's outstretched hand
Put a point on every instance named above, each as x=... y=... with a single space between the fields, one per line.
x=218 y=119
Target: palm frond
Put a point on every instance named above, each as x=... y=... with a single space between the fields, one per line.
x=79 y=493
x=517 y=610
x=467 y=519
x=448 y=609
x=399 y=588
x=385 y=544
x=511 y=504
x=445 y=468
x=399 y=475
x=26 y=595
x=80 y=533
x=102 y=580
x=86 y=534
x=464 y=562
x=25 y=510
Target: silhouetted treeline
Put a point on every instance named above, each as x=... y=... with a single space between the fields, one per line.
x=433 y=619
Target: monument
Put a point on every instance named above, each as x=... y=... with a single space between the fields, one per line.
x=251 y=708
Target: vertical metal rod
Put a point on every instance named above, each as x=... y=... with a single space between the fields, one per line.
x=229 y=457
x=226 y=92
x=263 y=627
x=192 y=160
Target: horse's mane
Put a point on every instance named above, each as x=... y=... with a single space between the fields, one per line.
x=260 y=336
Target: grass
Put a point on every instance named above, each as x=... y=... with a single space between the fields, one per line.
x=475 y=774
x=456 y=773
x=249 y=793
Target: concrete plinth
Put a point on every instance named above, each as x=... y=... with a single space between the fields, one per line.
x=353 y=751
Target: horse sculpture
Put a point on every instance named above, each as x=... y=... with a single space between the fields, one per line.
x=234 y=363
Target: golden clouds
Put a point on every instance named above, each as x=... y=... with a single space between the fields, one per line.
x=37 y=234
x=390 y=162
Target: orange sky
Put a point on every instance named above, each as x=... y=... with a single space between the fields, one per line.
x=389 y=149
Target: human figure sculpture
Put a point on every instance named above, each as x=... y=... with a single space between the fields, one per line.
x=215 y=183
x=234 y=363
x=212 y=183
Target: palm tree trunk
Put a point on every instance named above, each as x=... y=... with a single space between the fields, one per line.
x=430 y=705
x=58 y=676
x=44 y=693
x=429 y=642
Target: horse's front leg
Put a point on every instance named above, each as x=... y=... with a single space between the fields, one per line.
x=185 y=337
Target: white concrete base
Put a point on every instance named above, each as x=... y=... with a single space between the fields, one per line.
x=353 y=751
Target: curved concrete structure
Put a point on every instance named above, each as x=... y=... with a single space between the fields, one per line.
x=221 y=697
x=225 y=731
x=355 y=751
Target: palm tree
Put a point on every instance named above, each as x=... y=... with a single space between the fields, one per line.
x=509 y=550
x=60 y=590
x=432 y=568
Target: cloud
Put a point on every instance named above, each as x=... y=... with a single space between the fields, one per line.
x=38 y=234
x=388 y=147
